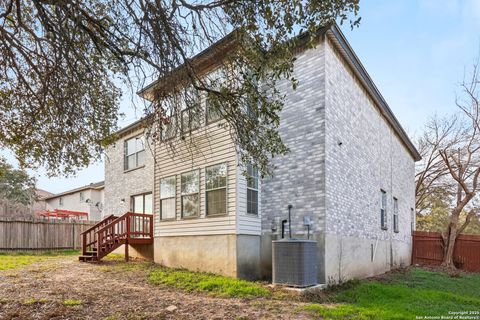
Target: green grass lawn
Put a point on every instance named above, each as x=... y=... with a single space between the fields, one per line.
x=10 y=261
x=405 y=295
x=206 y=282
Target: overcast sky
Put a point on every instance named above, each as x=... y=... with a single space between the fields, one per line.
x=416 y=52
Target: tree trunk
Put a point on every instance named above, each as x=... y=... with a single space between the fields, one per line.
x=449 y=242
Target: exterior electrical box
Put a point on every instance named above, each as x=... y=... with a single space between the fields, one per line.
x=294 y=262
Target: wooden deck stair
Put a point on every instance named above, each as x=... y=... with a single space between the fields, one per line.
x=112 y=232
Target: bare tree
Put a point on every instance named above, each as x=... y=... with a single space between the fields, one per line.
x=451 y=162
x=61 y=63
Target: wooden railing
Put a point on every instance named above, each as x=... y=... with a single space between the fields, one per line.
x=131 y=228
x=89 y=240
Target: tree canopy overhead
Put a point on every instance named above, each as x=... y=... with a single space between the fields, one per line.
x=61 y=63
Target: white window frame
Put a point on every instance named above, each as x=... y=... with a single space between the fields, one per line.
x=174 y=197
x=207 y=190
x=395 y=215
x=132 y=202
x=60 y=201
x=253 y=189
x=412 y=217
x=136 y=153
x=383 y=209
x=82 y=197
x=184 y=194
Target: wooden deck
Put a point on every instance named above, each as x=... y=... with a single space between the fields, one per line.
x=112 y=232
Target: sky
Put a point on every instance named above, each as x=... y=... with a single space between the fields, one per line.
x=416 y=51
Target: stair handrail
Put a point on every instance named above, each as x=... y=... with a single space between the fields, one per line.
x=98 y=223
x=85 y=233
x=102 y=239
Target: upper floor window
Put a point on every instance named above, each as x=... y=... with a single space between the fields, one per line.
x=395 y=215
x=60 y=201
x=212 y=112
x=191 y=119
x=82 y=197
x=169 y=129
x=167 y=198
x=252 y=189
x=190 y=194
x=216 y=189
x=383 y=209
x=134 y=153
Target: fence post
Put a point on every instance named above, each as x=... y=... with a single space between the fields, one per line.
x=73 y=235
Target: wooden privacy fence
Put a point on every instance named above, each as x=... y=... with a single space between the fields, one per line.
x=428 y=249
x=23 y=234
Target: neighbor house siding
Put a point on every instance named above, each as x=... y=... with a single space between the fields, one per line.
x=72 y=202
x=363 y=156
x=208 y=145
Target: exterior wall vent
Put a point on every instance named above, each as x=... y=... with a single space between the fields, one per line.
x=294 y=262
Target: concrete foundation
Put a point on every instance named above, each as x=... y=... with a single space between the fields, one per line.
x=248 y=257
x=213 y=253
x=230 y=255
x=141 y=251
x=353 y=257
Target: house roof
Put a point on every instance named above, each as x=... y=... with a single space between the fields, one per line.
x=210 y=56
x=129 y=128
x=42 y=193
x=96 y=186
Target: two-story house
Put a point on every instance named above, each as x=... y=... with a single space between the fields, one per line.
x=350 y=172
x=83 y=203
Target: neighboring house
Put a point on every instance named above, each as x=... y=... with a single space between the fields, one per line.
x=350 y=171
x=84 y=203
x=40 y=204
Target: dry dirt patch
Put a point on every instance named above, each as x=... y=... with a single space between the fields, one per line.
x=63 y=288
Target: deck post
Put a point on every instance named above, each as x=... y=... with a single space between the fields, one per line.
x=127 y=237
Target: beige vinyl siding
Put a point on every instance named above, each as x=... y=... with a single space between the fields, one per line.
x=205 y=147
x=247 y=223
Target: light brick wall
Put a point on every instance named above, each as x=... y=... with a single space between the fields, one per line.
x=299 y=176
x=363 y=155
x=120 y=184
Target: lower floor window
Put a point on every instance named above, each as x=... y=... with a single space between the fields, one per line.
x=190 y=194
x=252 y=201
x=252 y=189
x=167 y=198
x=142 y=203
x=216 y=189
